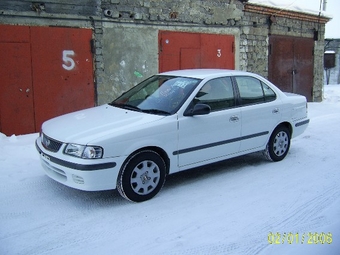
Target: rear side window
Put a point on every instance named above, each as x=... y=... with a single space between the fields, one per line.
x=254 y=91
x=269 y=94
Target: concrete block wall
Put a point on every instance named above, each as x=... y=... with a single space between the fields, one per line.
x=74 y=7
x=254 y=44
x=188 y=11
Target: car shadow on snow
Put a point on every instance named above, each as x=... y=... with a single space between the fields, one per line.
x=224 y=167
x=98 y=199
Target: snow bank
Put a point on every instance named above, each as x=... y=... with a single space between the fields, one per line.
x=305 y=6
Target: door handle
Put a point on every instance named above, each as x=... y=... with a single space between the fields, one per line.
x=234 y=118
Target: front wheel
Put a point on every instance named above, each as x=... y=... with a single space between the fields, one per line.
x=278 y=145
x=142 y=176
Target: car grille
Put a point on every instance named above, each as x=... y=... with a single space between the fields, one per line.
x=50 y=144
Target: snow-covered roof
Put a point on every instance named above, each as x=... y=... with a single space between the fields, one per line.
x=303 y=6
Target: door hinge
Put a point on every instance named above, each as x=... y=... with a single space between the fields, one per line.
x=93 y=46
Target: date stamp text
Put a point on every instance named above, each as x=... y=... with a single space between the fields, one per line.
x=300 y=238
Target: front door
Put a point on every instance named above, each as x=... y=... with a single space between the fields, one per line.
x=211 y=137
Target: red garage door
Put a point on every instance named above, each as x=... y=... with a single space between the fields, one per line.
x=179 y=50
x=45 y=72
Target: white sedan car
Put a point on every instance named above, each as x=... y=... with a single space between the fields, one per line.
x=168 y=123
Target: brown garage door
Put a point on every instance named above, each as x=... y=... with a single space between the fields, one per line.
x=291 y=64
x=179 y=50
x=46 y=72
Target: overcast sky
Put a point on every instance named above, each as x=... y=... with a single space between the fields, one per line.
x=332 y=27
x=332 y=9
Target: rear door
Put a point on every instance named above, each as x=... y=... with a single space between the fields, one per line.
x=260 y=112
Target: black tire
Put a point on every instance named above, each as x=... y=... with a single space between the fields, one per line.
x=142 y=176
x=279 y=144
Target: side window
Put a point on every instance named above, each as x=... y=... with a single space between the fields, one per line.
x=217 y=93
x=253 y=91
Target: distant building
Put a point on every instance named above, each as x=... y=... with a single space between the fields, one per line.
x=332 y=61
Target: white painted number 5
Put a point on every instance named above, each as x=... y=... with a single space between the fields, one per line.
x=69 y=63
x=219 y=53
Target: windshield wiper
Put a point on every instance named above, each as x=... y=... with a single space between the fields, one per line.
x=135 y=108
x=126 y=106
x=155 y=111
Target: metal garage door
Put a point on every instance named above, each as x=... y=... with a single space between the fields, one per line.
x=46 y=72
x=291 y=64
x=179 y=50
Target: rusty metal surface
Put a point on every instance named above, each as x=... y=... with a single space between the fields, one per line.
x=303 y=66
x=290 y=64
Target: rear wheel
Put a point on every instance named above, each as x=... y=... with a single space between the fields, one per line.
x=279 y=144
x=142 y=176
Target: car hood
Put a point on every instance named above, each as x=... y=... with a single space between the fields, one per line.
x=89 y=125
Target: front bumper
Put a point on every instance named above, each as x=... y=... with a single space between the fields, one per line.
x=83 y=174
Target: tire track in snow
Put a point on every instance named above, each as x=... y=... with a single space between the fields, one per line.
x=302 y=214
x=306 y=217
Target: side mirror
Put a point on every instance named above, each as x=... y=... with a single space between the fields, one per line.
x=199 y=109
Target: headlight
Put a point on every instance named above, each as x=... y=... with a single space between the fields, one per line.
x=92 y=152
x=82 y=151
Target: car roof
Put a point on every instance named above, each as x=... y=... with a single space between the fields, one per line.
x=204 y=73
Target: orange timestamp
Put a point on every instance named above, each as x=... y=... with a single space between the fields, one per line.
x=297 y=238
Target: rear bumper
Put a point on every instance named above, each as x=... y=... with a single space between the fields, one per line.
x=300 y=126
x=83 y=174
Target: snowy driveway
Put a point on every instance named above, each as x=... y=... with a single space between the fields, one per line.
x=225 y=208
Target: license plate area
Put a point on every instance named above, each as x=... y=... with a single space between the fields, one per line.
x=46 y=157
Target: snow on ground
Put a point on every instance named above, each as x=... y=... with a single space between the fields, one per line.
x=225 y=208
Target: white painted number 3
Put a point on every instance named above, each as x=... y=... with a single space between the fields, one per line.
x=69 y=63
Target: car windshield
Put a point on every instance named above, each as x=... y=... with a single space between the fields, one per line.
x=157 y=95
